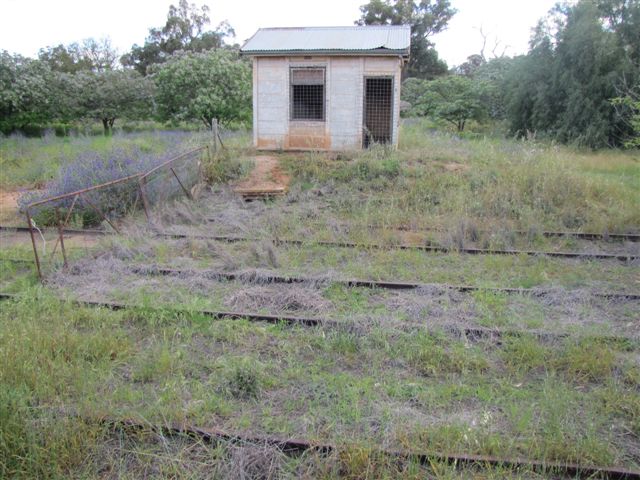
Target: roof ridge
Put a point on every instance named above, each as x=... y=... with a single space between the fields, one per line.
x=333 y=27
x=391 y=39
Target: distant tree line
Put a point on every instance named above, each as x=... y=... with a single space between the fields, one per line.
x=579 y=83
x=183 y=72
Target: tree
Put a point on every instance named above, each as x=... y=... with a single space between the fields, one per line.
x=628 y=108
x=492 y=76
x=90 y=54
x=426 y=18
x=25 y=92
x=111 y=94
x=564 y=86
x=202 y=86
x=184 y=30
x=455 y=99
x=623 y=18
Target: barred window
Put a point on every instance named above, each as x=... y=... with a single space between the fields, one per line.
x=307 y=94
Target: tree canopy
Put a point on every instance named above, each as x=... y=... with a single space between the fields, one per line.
x=183 y=30
x=112 y=94
x=581 y=58
x=26 y=97
x=203 y=86
x=455 y=99
x=90 y=54
x=426 y=18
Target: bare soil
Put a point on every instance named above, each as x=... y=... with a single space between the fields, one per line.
x=9 y=207
x=267 y=177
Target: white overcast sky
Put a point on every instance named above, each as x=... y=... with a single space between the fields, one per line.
x=27 y=25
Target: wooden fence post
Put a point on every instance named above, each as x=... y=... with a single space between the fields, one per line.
x=214 y=132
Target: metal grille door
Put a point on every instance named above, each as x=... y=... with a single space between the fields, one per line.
x=378 y=110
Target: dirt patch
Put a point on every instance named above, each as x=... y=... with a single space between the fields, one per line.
x=455 y=167
x=267 y=177
x=9 y=207
x=10 y=238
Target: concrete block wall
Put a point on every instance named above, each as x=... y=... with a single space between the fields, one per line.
x=344 y=92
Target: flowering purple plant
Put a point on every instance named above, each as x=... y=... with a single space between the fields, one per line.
x=90 y=168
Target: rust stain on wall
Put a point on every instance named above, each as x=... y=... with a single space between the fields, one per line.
x=267 y=143
x=308 y=137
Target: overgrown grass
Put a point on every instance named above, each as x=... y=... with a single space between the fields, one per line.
x=390 y=374
x=437 y=178
x=358 y=386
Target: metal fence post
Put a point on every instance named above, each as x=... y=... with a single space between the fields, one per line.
x=33 y=242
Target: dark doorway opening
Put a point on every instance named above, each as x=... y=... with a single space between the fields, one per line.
x=378 y=110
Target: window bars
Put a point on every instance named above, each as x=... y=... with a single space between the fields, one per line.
x=378 y=110
x=307 y=94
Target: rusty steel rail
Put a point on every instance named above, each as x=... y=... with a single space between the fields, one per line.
x=70 y=231
x=293 y=447
x=375 y=246
x=425 y=248
x=470 y=333
x=349 y=283
x=631 y=237
x=355 y=283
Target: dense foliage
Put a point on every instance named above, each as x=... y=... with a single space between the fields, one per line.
x=426 y=18
x=25 y=95
x=203 y=86
x=183 y=31
x=581 y=58
x=83 y=81
x=578 y=84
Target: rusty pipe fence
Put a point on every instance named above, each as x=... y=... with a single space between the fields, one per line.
x=141 y=179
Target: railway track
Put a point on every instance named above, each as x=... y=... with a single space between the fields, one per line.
x=353 y=283
x=296 y=447
x=592 y=236
x=349 y=283
x=367 y=246
x=620 y=237
x=424 y=248
x=471 y=333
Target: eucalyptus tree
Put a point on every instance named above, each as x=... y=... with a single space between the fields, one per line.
x=426 y=18
x=185 y=29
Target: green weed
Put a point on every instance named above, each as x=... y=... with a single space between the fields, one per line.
x=431 y=356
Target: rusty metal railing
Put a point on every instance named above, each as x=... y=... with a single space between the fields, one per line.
x=81 y=195
x=169 y=164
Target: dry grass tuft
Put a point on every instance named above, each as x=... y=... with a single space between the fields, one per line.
x=289 y=299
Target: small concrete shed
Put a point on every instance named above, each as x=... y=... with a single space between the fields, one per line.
x=327 y=88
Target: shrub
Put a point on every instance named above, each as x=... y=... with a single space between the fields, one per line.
x=226 y=165
x=433 y=356
x=93 y=167
x=243 y=381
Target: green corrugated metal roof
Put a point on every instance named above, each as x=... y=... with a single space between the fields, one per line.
x=354 y=40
